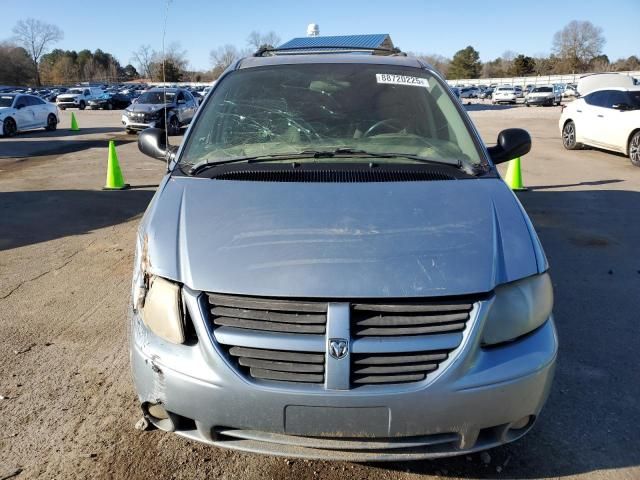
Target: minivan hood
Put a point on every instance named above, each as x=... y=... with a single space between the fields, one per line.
x=339 y=240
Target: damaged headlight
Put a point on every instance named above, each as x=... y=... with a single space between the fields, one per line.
x=157 y=300
x=162 y=311
x=518 y=308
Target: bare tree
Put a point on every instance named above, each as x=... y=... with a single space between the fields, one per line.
x=438 y=62
x=224 y=56
x=143 y=57
x=578 y=43
x=257 y=39
x=36 y=37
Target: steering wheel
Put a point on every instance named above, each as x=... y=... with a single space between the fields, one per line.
x=389 y=122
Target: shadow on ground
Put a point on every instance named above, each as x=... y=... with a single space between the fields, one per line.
x=19 y=148
x=476 y=107
x=63 y=132
x=30 y=217
x=587 y=424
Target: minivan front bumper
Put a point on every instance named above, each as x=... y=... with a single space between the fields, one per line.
x=482 y=398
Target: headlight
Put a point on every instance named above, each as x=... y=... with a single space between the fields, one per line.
x=518 y=308
x=162 y=311
x=157 y=300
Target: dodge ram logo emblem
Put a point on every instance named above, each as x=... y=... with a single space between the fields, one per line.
x=338 y=348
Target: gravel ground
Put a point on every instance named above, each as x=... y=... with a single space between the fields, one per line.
x=67 y=406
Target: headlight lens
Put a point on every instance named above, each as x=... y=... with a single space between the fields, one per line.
x=162 y=310
x=519 y=308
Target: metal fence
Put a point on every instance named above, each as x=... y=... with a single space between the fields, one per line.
x=532 y=80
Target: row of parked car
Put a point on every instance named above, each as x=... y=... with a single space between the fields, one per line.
x=144 y=106
x=546 y=95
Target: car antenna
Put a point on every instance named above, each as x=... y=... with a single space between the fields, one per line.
x=164 y=86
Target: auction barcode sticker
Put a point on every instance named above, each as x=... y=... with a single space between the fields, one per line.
x=394 y=79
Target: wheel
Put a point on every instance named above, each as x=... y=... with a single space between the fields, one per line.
x=526 y=104
x=129 y=131
x=634 y=149
x=174 y=126
x=569 y=136
x=109 y=106
x=52 y=123
x=63 y=108
x=9 y=128
x=82 y=105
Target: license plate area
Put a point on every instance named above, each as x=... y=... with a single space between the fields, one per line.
x=337 y=422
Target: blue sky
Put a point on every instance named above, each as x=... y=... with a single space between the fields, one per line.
x=492 y=27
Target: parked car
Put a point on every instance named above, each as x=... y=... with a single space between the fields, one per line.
x=78 y=97
x=608 y=118
x=110 y=101
x=545 y=95
x=304 y=287
x=519 y=92
x=19 y=112
x=151 y=108
x=469 y=92
x=486 y=93
x=570 y=90
x=504 y=95
x=456 y=92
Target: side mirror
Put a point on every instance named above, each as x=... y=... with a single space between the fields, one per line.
x=512 y=143
x=621 y=106
x=152 y=142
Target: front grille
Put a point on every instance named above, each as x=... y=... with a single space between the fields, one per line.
x=376 y=369
x=280 y=365
x=269 y=315
x=408 y=318
x=282 y=340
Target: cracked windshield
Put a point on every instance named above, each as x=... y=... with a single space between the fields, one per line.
x=318 y=108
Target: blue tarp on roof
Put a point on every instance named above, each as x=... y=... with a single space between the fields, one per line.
x=339 y=41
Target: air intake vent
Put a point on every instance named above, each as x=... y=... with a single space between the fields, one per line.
x=333 y=176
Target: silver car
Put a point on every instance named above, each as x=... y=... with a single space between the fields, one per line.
x=334 y=269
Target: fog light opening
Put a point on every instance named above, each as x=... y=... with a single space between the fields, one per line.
x=521 y=424
x=158 y=416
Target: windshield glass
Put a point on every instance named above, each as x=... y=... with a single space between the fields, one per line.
x=543 y=90
x=296 y=108
x=75 y=91
x=6 y=100
x=156 y=97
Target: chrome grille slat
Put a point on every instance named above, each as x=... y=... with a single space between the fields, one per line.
x=268 y=326
x=377 y=379
x=281 y=366
x=276 y=355
x=393 y=359
x=268 y=315
x=422 y=367
x=395 y=320
x=266 y=304
x=422 y=330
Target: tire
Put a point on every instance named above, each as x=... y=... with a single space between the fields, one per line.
x=63 y=108
x=52 y=123
x=82 y=105
x=174 y=126
x=129 y=131
x=634 y=149
x=9 y=127
x=526 y=104
x=109 y=106
x=569 y=136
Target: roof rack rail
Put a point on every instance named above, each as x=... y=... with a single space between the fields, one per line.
x=325 y=49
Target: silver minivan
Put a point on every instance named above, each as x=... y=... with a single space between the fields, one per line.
x=333 y=268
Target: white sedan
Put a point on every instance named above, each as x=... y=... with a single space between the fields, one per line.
x=504 y=95
x=606 y=118
x=20 y=112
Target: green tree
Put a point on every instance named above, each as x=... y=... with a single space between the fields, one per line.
x=465 y=64
x=523 y=65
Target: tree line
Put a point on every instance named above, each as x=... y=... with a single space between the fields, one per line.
x=577 y=48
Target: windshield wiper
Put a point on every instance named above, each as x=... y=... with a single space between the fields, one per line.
x=338 y=152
